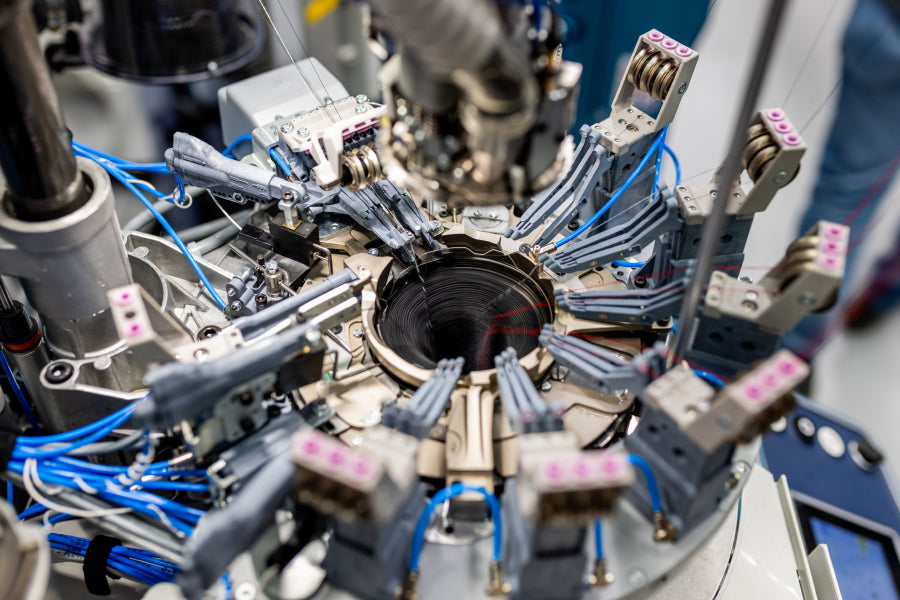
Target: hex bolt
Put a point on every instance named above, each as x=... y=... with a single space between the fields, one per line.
x=271 y=267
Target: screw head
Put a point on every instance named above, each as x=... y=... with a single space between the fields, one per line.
x=286 y=128
x=682 y=88
x=303 y=131
x=236 y=306
x=807 y=299
x=780 y=178
x=357 y=333
x=271 y=267
x=361 y=108
x=636 y=578
x=373 y=252
x=245 y=591
x=546 y=386
x=360 y=98
x=201 y=354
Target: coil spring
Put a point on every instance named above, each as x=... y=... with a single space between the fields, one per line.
x=760 y=150
x=360 y=168
x=652 y=73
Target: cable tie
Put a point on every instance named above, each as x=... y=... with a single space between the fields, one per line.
x=95 y=569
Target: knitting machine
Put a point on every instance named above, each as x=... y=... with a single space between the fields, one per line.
x=435 y=319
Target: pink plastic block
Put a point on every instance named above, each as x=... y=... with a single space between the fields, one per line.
x=582 y=470
x=829 y=263
x=788 y=366
x=791 y=139
x=310 y=447
x=337 y=457
x=753 y=393
x=669 y=44
x=783 y=127
x=124 y=298
x=835 y=232
x=771 y=379
x=832 y=248
x=611 y=466
x=554 y=473
x=361 y=467
x=775 y=114
x=655 y=36
x=684 y=51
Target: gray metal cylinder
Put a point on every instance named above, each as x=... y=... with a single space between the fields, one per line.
x=68 y=264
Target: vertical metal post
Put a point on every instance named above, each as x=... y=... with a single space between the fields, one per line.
x=727 y=177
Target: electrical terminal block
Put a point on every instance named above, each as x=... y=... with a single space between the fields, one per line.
x=368 y=483
x=323 y=131
x=562 y=485
x=805 y=281
x=660 y=67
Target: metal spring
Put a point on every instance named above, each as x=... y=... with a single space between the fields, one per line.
x=801 y=253
x=760 y=150
x=652 y=73
x=360 y=168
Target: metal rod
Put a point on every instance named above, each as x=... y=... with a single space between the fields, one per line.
x=35 y=147
x=725 y=181
x=6 y=303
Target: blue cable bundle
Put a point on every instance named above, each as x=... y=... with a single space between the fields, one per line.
x=654 y=148
x=134 y=563
x=439 y=498
x=120 y=486
x=118 y=169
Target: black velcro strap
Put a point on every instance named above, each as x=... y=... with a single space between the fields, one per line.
x=7 y=445
x=95 y=559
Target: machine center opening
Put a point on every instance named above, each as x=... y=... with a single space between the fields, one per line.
x=462 y=305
